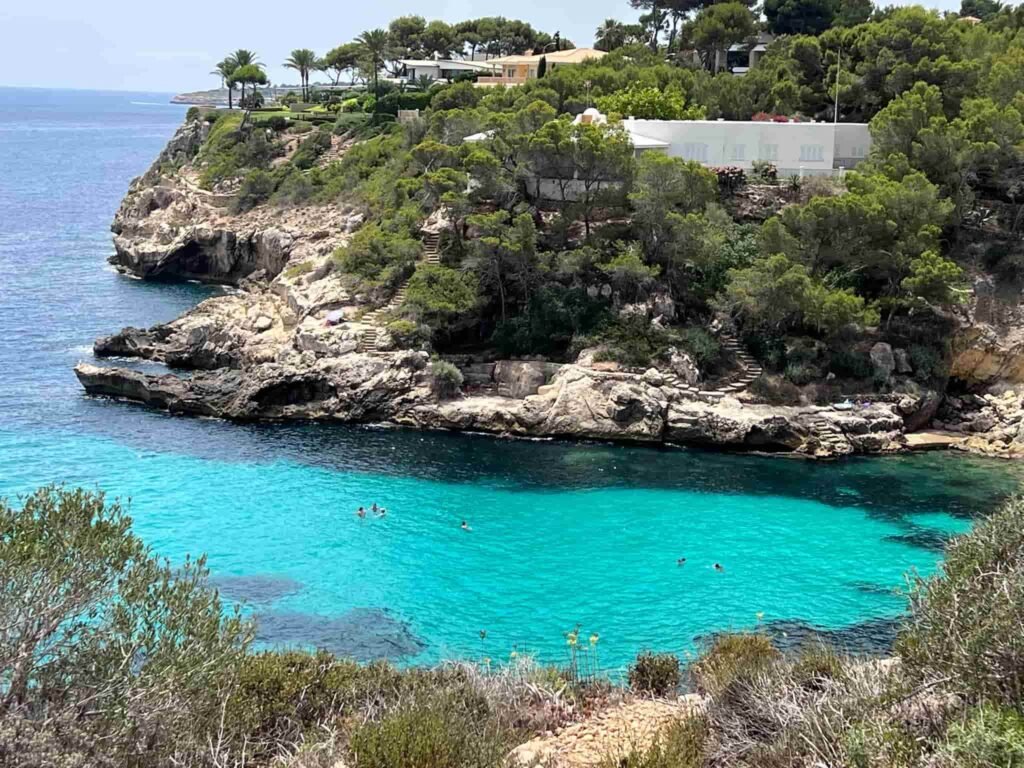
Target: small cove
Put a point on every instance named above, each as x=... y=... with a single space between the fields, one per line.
x=563 y=533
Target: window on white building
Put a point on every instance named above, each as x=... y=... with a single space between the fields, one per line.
x=738 y=152
x=770 y=152
x=693 y=150
x=812 y=153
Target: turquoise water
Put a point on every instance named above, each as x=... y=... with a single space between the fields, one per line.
x=562 y=534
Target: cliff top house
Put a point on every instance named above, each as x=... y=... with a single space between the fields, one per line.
x=516 y=70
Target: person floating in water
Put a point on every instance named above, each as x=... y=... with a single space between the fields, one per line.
x=381 y=512
x=360 y=512
x=719 y=568
x=374 y=507
x=681 y=561
x=465 y=526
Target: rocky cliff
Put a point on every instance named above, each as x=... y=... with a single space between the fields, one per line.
x=286 y=345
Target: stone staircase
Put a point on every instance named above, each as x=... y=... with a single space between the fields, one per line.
x=429 y=254
x=750 y=369
x=828 y=434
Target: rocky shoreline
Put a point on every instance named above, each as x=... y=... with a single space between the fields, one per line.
x=286 y=345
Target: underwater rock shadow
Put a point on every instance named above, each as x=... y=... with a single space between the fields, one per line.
x=255 y=589
x=873 y=637
x=922 y=537
x=363 y=634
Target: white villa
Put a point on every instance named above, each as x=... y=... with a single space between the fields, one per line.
x=444 y=69
x=796 y=149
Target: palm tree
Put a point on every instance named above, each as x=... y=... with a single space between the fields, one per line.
x=304 y=61
x=610 y=35
x=375 y=44
x=424 y=83
x=245 y=58
x=224 y=70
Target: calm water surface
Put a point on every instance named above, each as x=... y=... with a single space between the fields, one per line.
x=563 y=534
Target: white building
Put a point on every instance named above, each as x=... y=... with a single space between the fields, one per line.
x=796 y=149
x=443 y=69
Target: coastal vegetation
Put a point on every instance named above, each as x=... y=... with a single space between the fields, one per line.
x=111 y=656
x=810 y=272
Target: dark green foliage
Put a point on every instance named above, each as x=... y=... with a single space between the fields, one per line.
x=703 y=346
x=408 y=334
x=437 y=293
x=256 y=188
x=376 y=255
x=656 y=673
x=926 y=362
x=850 y=364
x=310 y=148
x=634 y=341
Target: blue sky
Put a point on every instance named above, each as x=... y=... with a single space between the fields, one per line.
x=171 y=46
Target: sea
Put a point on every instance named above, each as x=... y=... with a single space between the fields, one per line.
x=564 y=536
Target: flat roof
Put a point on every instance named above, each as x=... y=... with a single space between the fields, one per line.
x=568 y=56
x=446 y=63
x=820 y=123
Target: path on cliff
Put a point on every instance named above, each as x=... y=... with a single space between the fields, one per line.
x=431 y=254
x=609 y=734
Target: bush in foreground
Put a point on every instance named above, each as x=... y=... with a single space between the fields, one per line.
x=965 y=622
x=656 y=673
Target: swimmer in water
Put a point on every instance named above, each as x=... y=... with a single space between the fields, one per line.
x=465 y=526
x=719 y=568
x=382 y=512
x=374 y=506
x=681 y=561
x=361 y=512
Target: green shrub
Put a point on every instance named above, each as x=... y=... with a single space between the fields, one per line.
x=732 y=657
x=310 y=148
x=989 y=737
x=300 y=126
x=800 y=373
x=294 y=187
x=817 y=665
x=350 y=121
x=276 y=123
x=193 y=114
x=683 y=744
x=256 y=188
x=438 y=733
x=372 y=251
x=634 y=340
x=446 y=379
x=298 y=270
x=926 y=362
x=850 y=364
x=964 y=622
x=408 y=334
x=703 y=346
x=656 y=673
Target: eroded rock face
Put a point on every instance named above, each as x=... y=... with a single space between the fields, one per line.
x=168 y=225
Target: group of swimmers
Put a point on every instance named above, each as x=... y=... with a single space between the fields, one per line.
x=382 y=512
x=717 y=566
